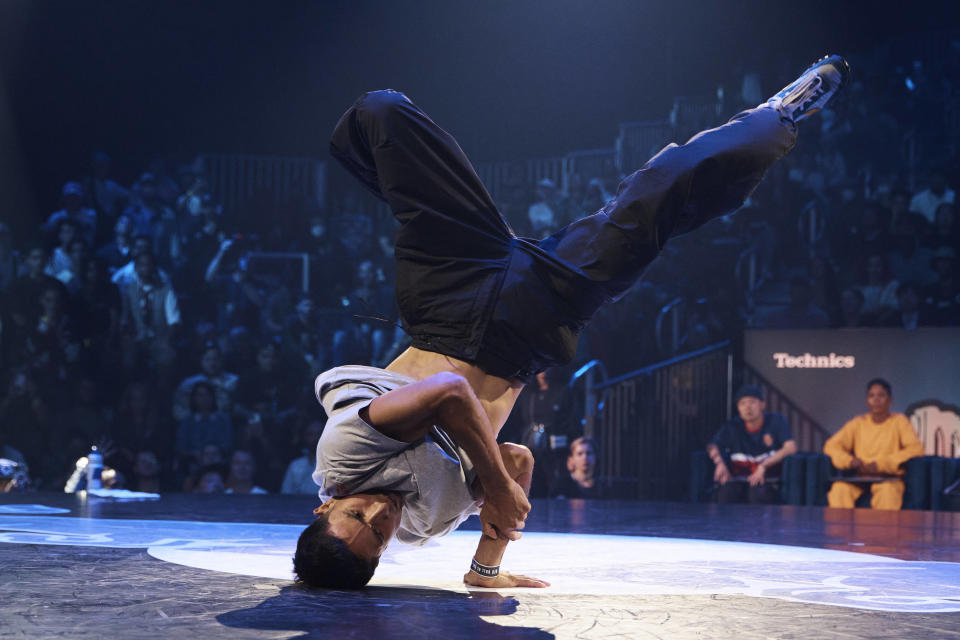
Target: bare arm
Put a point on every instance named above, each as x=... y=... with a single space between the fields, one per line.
x=214 y=265
x=721 y=474
x=446 y=399
x=788 y=449
x=519 y=463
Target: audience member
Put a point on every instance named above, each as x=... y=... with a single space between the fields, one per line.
x=942 y=298
x=545 y=215
x=298 y=477
x=363 y=335
x=119 y=251
x=128 y=272
x=873 y=446
x=97 y=307
x=210 y=480
x=908 y=314
x=139 y=425
x=239 y=299
x=851 y=309
x=242 y=469
x=150 y=316
x=14 y=470
x=908 y=260
x=877 y=286
x=52 y=343
x=801 y=313
x=73 y=210
x=945 y=232
x=205 y=425
x=267 y=385
x=72 y=274
x=146 y=473
x=84 y=413
x=308 y=337
x=937 y=192
x=546 y=415
x=870 y=237
x=211 y=371
x=748 y=449
x=580 y=480
x=25 y=424
x=25 y=291
x=60 y=257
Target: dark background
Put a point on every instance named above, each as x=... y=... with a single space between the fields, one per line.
x=511 y=79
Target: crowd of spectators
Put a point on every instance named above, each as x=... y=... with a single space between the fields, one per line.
x=146 y=320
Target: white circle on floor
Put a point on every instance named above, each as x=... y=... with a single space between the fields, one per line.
x=574 y=564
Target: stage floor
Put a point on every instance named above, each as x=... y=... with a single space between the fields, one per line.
x=219 y=567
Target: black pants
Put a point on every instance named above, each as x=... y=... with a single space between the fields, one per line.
x=468 y=287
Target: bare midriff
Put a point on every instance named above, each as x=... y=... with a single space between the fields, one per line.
x=497 y=395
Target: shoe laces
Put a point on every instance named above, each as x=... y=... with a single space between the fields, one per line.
x=805 y=87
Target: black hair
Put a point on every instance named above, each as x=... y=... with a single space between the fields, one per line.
x=883 y=383
x=210 y=345
x=855 y=291
x=323 y=560
x=203 y=384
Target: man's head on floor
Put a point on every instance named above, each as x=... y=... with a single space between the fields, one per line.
x=342 y=548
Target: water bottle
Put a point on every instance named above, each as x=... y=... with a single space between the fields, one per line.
x=94 y=469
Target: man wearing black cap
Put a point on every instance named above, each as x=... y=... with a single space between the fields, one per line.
x=748 y=449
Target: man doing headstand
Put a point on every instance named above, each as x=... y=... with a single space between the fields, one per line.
x=411 y=450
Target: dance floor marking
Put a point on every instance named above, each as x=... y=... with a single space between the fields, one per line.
x=574 y=563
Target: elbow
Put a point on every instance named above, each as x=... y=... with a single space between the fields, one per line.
x=454 y=388
x=789 y=447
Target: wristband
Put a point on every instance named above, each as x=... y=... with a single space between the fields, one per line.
x=483 y=570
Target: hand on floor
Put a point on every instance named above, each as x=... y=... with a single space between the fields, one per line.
x=503 y=581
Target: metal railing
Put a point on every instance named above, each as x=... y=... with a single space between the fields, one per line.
x=282 y=257
x=652 y=419
x=692 y=115
x=236 y=179
x=592 y=163
x=639 y=141
x=591 y=404
x=497 y=176
x=669 y=327
x=809 y=434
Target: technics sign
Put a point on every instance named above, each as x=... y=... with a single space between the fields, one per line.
x=810 y=361
x=825 y=371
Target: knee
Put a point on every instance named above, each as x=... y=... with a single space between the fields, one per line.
x=841 y=495
x=887 y=495
x=381 y=104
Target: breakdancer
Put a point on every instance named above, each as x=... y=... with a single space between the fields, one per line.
x=411 y=450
